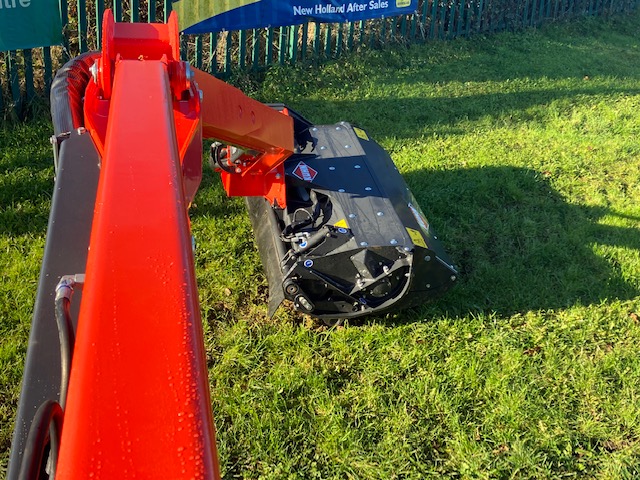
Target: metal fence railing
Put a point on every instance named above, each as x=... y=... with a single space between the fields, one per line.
x=25 y=76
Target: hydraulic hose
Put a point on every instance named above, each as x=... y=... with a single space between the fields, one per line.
x=67 y=92
x=66 y=334
x=295 y=226
x=46 y=429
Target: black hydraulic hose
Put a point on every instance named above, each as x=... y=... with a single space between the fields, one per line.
x=313 y=240
x=67 y=92
x=46 y=429
x=67 y=340
x=66 y=334
x=310 y=220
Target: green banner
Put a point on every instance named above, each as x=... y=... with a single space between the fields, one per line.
x=29 y=24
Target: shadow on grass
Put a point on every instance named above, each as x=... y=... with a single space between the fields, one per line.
x=519 y=246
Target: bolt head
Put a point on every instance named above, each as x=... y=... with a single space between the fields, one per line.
x=94 y=71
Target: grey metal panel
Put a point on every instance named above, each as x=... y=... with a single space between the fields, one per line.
x=65 y=253
x=362 y=184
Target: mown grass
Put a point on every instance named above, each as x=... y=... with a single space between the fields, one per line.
x=523 y=151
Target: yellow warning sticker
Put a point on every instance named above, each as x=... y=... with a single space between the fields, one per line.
x=361 y=133
x=416 y=237
x=342 y=223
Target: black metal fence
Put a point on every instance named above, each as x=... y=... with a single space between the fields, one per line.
x=25 y=76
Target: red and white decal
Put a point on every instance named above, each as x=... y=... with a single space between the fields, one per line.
x=305 y=172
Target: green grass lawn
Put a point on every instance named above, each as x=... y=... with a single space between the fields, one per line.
x=524 y=152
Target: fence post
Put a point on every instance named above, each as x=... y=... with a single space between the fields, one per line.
x=460 y=18
x=184 y=48
x=198 y=52
x=255 y=49
x=28 y=75
x=48 y=71
x=339 y=39
x=316 y=41
x=269 y=47
x=117 y=10
x=282 y=45
x=64 y=14
x=441 y=29
x=167 y=9
x=1 y=101
x=14 y=81
x=327 y=40
x=151 y=11
x=242 y=50
x=227 y=54
x=305 y=39
x=480 y=15
x=82 y=25
x=293 y=43
x=433 y=18
x=213 y=53
x=383 y=31
x=98 y=22
x=352 y=28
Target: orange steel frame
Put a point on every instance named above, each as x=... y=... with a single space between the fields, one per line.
x=138 y=403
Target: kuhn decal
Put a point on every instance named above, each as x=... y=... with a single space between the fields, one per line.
x=305 y=172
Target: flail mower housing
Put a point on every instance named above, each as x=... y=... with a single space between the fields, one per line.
x=352 y=239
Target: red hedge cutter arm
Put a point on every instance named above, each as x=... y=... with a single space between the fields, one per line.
x=138 y=403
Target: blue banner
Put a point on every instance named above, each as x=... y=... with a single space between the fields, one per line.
x=204 y=16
